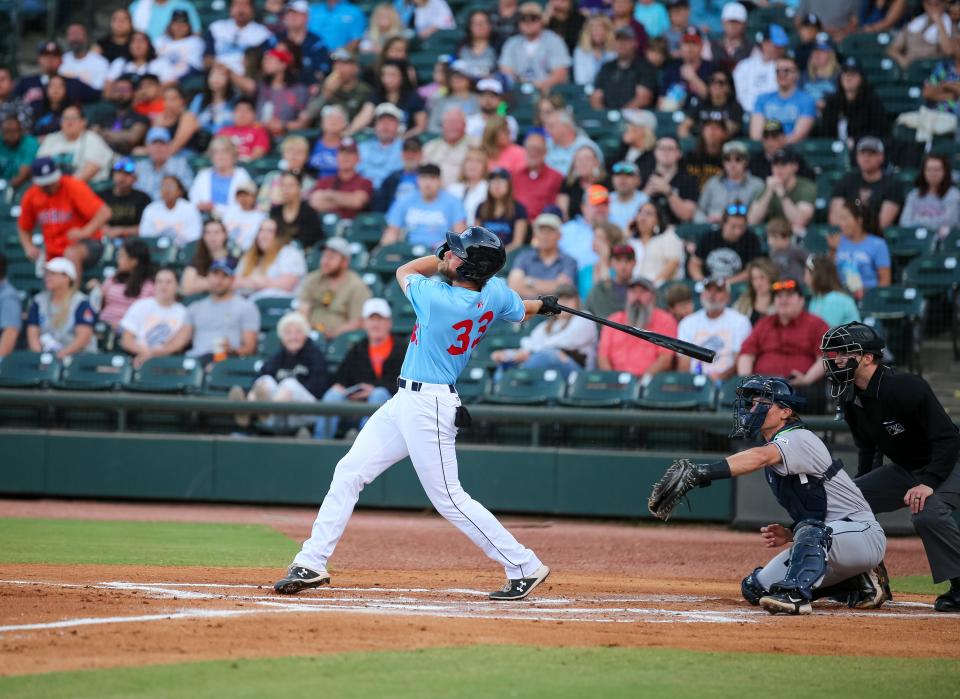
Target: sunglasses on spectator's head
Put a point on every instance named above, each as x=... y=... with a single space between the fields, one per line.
x=124 y=166
x=624 y=169
x=785 y=285
x=737 y=210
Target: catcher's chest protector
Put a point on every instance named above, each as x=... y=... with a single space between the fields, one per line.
x=803 y=496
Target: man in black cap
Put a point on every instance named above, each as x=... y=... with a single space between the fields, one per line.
x=785 y=195
x=760 y=163
x=30 y=88
x=626 y=82
x=869 y=184
x=896 y=415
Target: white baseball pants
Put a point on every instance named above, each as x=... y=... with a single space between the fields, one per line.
x=419 y=424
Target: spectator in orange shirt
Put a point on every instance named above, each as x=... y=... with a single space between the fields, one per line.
x=621 y=352
x=70 y=215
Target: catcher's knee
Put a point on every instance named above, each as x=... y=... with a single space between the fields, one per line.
x=808 y=558
x=751 y=589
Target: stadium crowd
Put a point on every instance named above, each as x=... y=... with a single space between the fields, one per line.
x=656 y=163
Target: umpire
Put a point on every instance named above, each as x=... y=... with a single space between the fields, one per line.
x=897 y=415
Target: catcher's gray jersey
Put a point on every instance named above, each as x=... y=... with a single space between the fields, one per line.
x=803 y=453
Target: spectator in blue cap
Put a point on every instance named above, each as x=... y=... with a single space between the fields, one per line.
x=126 y=203
x=161 y=162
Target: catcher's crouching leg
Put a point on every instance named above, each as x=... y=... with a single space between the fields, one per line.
x=751 y=589
x=808 y=564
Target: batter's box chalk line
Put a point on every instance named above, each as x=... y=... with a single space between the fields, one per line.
x=446 y=603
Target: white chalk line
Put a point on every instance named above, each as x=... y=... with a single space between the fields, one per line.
x=401 y=603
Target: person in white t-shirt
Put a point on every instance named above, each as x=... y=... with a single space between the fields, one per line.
x=272 y=267
x=242 y=219
x=717 y=327
x=179 y=50
x=172 y=215
x=80 y=62
x=150 y=323
x=78 y=150
x=228 y=39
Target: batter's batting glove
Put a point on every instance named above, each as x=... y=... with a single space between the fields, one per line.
x=548 y=306
x=442 y=250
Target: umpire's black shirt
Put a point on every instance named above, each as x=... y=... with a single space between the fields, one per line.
x=899 y=417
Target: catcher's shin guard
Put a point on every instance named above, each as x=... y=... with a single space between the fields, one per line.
x=808 y=559
x=751 y=589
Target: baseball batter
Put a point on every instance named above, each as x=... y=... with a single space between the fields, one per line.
x=421 y=420
x=835 y=537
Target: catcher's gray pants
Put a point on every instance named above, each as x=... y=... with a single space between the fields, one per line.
x=855 y=548
x=884 y=489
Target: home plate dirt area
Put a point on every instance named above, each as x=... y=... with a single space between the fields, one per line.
x=410 y=580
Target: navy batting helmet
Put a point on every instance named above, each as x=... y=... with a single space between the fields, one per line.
x=769 y=390
x=847 y=339
x=481 y=251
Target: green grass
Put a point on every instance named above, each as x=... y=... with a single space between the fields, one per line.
x=917 y=585
x=510 y=671
x=142 y=543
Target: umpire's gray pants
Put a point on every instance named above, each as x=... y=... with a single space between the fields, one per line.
x=884 y=489
x=855 y=548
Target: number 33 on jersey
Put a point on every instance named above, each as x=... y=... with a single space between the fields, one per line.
x=451 y=321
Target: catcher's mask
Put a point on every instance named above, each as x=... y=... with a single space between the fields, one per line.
x=755 y=395
x=845 y=340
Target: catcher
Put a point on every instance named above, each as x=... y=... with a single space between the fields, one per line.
x=836 y=542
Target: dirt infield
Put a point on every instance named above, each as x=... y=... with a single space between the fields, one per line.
x=404 y=581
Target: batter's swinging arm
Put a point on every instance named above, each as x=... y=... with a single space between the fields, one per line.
x=671 y=343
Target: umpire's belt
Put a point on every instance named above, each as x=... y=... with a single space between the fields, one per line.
x=419 y=386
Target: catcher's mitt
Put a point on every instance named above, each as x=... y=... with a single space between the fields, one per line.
x=678 y=480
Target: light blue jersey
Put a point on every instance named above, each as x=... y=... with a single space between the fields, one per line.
x=451 y=321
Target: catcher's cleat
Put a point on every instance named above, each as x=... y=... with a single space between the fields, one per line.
x=786 y=603
x=300 y=578
x=521 y=587
x=874 y=591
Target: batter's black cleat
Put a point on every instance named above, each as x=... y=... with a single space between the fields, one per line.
x=786 y=603
x=300 y=578
x=949 y=601
x=521 y=587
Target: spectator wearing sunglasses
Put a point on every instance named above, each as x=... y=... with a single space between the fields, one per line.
x=126 y=203
x=669 y=187
x=792 y=107
x=536 y=56
x=627 y=197
x=717 y=326
x=735 y=183
x=787 y=344
x=720 y=98
x=726 y=251
x=785 y=195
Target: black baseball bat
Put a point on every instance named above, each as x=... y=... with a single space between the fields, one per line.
x=671 y=343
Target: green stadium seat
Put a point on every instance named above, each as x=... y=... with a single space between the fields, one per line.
x=934 y=274
x=22 y=369
x=816 y=239
x=234 y=371
x=824 y=154
x=919 y=71
x=22 y=274
x=385 y=260
x=527 y=387
x=338 y=346
x=272 y=310
x=601 y=389
x=367 y=229
x=174 y=374
x=95 y=372
x=899 y=97
x=861 y=44
x=473 y=383
x=374 y=283
x=906 y=243
x=952 y=242
x=674 y=390
x=443 y=41
x=692 y=232
x=163 y=251
x=900 y=310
